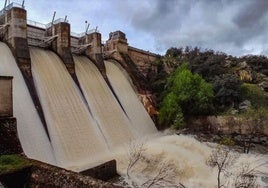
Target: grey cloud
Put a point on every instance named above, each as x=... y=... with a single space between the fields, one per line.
x=226 y=25
x=252 y=13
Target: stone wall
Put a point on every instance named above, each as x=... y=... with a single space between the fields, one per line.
x=142 y=59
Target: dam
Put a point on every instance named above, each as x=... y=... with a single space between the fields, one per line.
x=79 y=102
x=69 y=105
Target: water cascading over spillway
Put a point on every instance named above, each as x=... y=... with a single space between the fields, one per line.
x=32 y=135
x=128 y=98
x=105 y=109
x=74 y=134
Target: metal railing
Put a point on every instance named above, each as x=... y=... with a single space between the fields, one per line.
x=78 y=35
x=36 y=24
x=10 y=6
x=45 y=26
x=56 y=21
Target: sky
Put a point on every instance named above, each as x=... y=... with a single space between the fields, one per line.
x=236 y=27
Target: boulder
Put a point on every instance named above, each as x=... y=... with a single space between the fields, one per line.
x=246 y=104
x=264 y=85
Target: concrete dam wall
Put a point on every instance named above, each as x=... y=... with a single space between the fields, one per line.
x=72 y=107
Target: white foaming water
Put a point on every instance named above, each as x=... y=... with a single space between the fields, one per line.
x=32 y=135
x=134 y=109
x=185 y=159
x=104 y=107
x=75 y=137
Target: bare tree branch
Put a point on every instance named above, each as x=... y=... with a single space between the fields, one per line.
x=164 y=176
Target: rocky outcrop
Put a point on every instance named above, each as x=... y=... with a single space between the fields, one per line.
x=228 y=125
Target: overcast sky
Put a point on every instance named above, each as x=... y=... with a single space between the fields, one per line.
x=237 y=27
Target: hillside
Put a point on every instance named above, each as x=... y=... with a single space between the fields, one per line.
x=240 y=84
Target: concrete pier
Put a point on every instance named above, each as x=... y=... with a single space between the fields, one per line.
x=61 y=45
x=94 y=51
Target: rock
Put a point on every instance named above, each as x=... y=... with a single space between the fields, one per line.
x=265 y=179
x=216 y=138
x=264 y=140
x=264 y=85
x=238 y=137
x=243 y=65
x=246 y=104
x=255 y=140
x=233 y=112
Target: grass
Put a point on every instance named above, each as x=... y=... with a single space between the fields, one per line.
x=9 y=163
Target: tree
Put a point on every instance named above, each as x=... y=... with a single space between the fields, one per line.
x=164 y=174
x=174 y=52
x=246 y=174
x=223 y=160
x=227 y=89
x=135 y=153
x=186 y=94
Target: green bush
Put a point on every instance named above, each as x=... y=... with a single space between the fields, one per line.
x=12 y=162
x=186 y=94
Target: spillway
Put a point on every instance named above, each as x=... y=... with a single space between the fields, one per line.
x=74 y=134
x=103 y=105
x=33 y=138
x=128 y=98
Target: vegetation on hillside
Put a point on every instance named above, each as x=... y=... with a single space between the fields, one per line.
x=233 y=81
